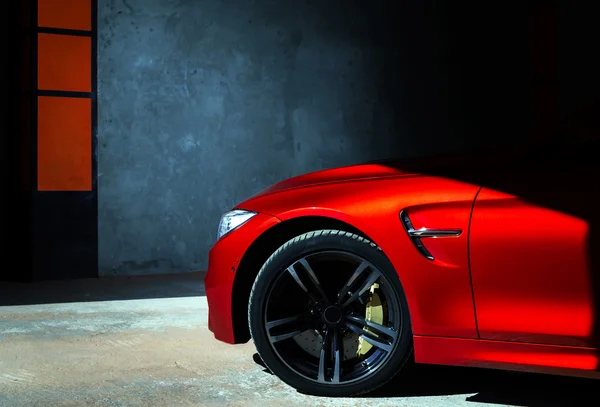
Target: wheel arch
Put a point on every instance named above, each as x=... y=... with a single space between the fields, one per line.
x=258 y=253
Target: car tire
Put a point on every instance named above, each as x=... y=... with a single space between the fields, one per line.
x=399 y=346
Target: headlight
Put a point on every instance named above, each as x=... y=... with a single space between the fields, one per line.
x=232 y=220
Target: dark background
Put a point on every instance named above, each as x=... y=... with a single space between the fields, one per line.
x=203 y=103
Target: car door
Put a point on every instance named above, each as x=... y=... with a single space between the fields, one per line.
x=533 y=247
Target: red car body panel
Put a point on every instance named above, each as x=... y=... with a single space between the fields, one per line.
x=343 y=174
x=485 y=300
x=541 y=292
x=517 y=356
x=439 y=295
x=224 y=259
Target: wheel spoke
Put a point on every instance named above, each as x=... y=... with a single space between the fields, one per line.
x=282 y=321
x=372 y=339
x=378 y=328
x=330 y=357
x=323 y=357
x=363 y=288
x=313 y=278
x=361 y=268
x=290 y=327
x=294 y=275
x=320 y=295
x=337 y=354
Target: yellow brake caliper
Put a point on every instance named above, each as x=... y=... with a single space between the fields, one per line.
x=373 y=313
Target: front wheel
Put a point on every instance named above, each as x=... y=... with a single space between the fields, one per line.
x=328 y=315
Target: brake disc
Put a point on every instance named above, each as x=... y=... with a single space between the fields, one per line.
x=311 y=341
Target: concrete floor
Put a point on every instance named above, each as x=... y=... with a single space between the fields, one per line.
x=144 y=342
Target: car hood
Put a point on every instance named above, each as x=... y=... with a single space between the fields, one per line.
x=336 y=175
x=443 y=165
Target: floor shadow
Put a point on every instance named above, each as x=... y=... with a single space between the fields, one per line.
x=484 y=386
x=103 y=289
x=491 y=386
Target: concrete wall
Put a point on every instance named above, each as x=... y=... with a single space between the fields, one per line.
x=203 y=103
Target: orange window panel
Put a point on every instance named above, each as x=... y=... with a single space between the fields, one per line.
x=64 y=144
x=64 y=63
x=69 y=14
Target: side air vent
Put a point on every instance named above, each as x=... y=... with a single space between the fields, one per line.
x=416 y=235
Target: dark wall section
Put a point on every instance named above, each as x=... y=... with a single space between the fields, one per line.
x=64 y=199
x=203 y=103
x=16 y=79
x=578 y=65
x=460 y=74
x=52 y=193
x=4 y=142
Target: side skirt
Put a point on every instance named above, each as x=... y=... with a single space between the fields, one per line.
x=516 y=356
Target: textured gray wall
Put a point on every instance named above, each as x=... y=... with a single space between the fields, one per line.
x=203 y=103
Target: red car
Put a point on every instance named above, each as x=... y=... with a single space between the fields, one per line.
x=342 y=276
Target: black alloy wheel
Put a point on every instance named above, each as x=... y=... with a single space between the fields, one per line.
x=328 y=315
